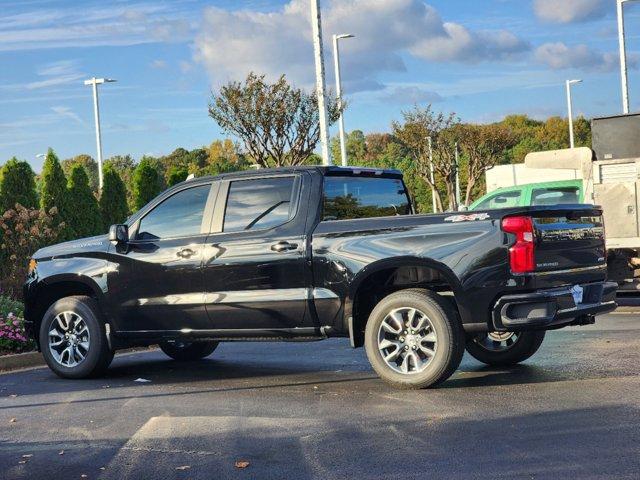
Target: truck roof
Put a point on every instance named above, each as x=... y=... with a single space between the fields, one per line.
x=324 y=170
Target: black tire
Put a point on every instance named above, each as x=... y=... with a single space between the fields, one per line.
x=187 y=351
x=444 y=322
x=98 y=355
x=522 y=348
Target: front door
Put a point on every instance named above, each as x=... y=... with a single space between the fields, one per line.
x=159 y=285
x=255 y=268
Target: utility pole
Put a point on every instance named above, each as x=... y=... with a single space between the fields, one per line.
x=316 y=23
x=336 y=61
x=623 y=57
x=432 y=177
x=572 y=141
x=94 y=82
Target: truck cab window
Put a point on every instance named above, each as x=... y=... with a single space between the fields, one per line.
x=178 y=216
x=260 y=203
x=555 y=196
x=501 y=200
x=349 y=197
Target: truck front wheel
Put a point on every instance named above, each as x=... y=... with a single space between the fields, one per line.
x=414 y=339
x=504 y=348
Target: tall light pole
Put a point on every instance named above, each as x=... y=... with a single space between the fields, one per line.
x=316 y=23
x=432 y=178
x=572 y=141
x=336 y=61
x=94 y=82
x=623 y=56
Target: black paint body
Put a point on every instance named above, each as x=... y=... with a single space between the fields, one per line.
x=234 y=285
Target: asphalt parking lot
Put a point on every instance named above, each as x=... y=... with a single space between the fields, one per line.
x=316 y=410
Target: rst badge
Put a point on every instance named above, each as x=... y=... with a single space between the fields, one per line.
x=470 y=217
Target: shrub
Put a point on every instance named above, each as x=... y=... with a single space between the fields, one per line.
x=54 y=194
x=17 y=185
x=24 y=230
x=176 y=175
x=113 y=200
x=146 y=183
x=84 y=218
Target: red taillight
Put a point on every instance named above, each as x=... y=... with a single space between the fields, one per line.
x=522 y=253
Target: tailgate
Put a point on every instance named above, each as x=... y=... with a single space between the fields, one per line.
x=568 y=238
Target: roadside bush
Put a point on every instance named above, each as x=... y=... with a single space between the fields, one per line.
x=23 y=231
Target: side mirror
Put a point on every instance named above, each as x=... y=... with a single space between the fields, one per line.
x=119 y=233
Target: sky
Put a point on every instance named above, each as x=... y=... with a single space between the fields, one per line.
x=482 y=59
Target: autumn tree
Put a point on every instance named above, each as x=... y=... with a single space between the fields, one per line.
x=277 y=123
x=418 y=126
x=483 y=146
x=17 y=185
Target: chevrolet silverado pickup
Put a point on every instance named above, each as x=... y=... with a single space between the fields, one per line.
x=308 y=253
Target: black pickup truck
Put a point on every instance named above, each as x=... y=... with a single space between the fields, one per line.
x=307 y=253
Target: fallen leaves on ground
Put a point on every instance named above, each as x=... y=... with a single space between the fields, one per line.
x=184 y=467
x=241 y=464
x=13 y=420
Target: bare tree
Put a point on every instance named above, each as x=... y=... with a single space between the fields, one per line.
x=277 y=123
x=420 y=124
x=484 y=146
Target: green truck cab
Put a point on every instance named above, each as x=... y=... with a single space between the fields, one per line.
x=546 y=193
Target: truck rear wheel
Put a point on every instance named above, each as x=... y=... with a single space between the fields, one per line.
x=504 y=348
x=73 y=339
x=414 y=339
x=188 y=351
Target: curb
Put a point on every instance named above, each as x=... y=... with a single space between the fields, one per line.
x=19 y=361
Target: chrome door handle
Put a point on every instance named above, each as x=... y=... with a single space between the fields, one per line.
x=284 y=246
x=186 y=253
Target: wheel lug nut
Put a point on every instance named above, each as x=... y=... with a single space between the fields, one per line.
x=414 y=347
x=402 y=339
x=406 y=347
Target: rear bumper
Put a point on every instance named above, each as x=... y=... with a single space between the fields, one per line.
x=554 y=308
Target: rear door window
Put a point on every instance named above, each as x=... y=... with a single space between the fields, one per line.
x=260 y=203
x=349 y=197
x=555 y=196
x=501 y=200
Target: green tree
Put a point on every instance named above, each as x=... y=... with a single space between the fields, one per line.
x=145 y=183
x=54 y=194
x=84 y=218
x=113 y=200
x=124 y=165
x=176 y=175
x=89 y=164
x=17 y=185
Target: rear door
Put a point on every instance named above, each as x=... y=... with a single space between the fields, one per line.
x=255 y=268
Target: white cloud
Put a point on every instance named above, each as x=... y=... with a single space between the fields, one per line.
x=569 y=11
x=67 y=112
x=559 y=56
x=158 y=64
x=56 y=73
x=233 y=43
x=411 y=94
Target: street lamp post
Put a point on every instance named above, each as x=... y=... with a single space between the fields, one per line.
x=570 y=108
x=316 y=23
x=336 y=61
x=623 y=56
x=431 y=177
x=94 y=82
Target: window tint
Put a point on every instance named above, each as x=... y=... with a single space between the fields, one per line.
x=260 y=203
x=500 y=200
x=555 y=196
x=349 y=197
x=178 y=216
